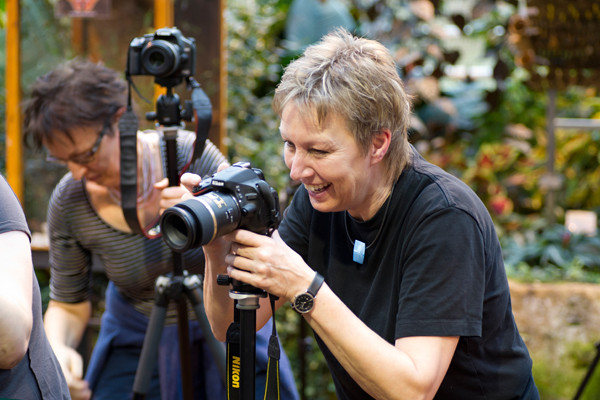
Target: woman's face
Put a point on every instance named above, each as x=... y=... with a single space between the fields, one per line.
x=328 y=162
x=93 y=153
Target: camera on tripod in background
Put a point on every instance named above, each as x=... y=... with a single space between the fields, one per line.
x=166 y=54
x=170 y=57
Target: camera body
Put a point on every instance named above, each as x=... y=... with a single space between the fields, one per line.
x=237 y=197
x=166 y=54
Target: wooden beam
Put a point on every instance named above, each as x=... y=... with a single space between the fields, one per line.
x=163 y=18
x=14 y=143
x=163 y=14
x=204 y=20
x=221 y=108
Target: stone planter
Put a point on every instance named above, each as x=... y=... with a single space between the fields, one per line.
x=560 y=323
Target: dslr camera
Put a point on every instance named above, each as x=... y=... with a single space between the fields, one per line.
x=166 y=54
x=237 y=197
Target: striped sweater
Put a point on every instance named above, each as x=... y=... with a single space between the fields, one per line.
x=131 y=261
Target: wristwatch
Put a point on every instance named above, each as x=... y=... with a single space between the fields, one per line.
x=304 y=302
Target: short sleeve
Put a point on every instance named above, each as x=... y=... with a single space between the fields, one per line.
x=70 y=263
x=12 y=217
x=443 y=277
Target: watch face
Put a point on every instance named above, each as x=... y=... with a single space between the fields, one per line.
x=304 y=302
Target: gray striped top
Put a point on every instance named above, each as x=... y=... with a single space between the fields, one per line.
x=131 y=261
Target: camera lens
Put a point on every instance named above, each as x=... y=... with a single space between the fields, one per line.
x=195 y=222
x=160 y=58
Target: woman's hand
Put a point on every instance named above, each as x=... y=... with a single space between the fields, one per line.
x=170 y=195
x=267 y=263
x=218 y=248
x=189 y=180
x=71 y=363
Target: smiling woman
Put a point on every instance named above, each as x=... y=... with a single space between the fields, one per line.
x=393 y=262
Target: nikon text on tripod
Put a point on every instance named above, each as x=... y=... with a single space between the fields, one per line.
x=237 y=197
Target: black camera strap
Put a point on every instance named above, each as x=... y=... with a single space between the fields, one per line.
x=128 y=126
x=202 y=114
x=272 y=386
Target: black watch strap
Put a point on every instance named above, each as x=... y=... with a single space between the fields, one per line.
x=316 y=284
x=304 y=302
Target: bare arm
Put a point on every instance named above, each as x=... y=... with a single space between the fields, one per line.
x=65 y=324
x=412 y=369
x=16 y=318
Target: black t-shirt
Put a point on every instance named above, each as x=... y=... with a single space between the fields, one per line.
x=435 y=269
x=38 y=374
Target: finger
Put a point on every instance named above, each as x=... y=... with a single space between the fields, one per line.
x=246 y=238
x=223 y=166
x=189 y=180
x=162 y=184
x=76 y=367
x=240 y=274
x=80 y=390
x=239 y=262
x=173 y=193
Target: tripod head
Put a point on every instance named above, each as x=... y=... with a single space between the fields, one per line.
x=239 y=289
x=169 y=111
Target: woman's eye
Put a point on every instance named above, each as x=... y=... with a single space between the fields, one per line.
x=319 y=152
x=288 y=145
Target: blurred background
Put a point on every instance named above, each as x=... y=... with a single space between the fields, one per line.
x=505 y=97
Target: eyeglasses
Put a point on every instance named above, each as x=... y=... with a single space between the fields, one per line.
x=83 y=158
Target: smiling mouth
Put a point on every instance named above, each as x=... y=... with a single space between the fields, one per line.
x=317 y=188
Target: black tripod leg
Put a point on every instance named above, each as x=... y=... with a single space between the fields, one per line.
x=184 y=350
x=194 y=294
x=589 y=373
x=149 y=355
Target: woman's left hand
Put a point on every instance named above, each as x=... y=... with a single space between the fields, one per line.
x=267 y=263
x=170 y=195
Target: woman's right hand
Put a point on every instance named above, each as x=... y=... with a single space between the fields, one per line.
x=189 y=180
x=71 y=363
x=217 y=249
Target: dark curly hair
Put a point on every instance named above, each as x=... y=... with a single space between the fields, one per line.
x=78 y=93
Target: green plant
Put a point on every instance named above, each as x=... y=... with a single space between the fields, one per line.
x=558 y=378
x=253 y=70
x=550 y=253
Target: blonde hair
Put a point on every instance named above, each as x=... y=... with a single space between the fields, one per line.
x=355 y=78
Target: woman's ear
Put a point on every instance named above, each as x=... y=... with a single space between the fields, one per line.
x=380 y=145
x=119 y=114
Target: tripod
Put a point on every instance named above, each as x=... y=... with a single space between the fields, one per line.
x=175 y=287
x=589 y=373
x=246 y=305
x=241 y=339
x=178 y=286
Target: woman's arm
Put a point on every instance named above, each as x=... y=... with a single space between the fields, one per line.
x=412 y=369
x=16 y=277
x=65 y=324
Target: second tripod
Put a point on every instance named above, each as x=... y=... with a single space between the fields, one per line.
x=177 y=288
